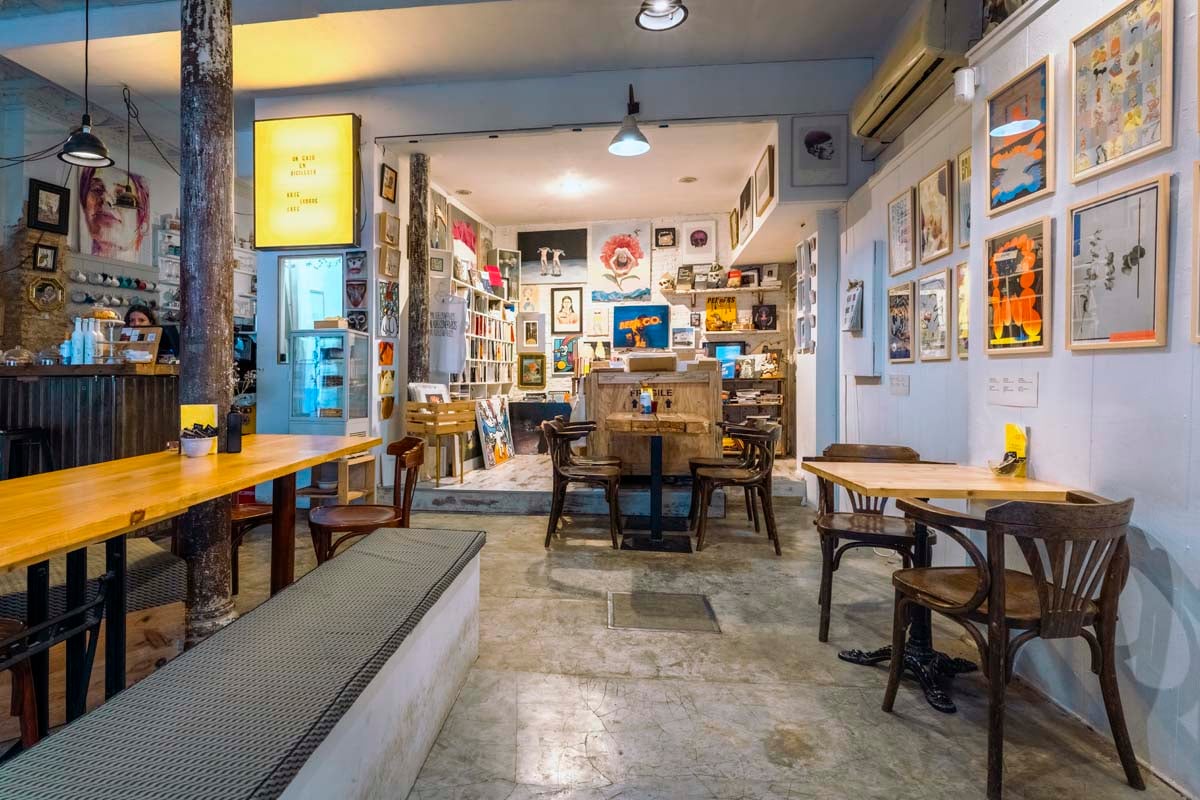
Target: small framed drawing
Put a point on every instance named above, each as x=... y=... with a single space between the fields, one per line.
x=531 y=370
x=566 y=309
x=852 y=306
x=387 y=183
x=389 y=229
x=933 y=316
x=1020 y=145
x=665 y=238
x=935 y=215
x=900 y=323
x=684 y=278
x=746 y=210
x=48 y=207
x=45 y=258
x=1017 y=290
x=531 y=332
x=764 y=180
x=819 y=150
x=962 y=196
x=46 y=294
x=901 y=252
x=683 y=338
x=699 y=241
x=962 y=308
x=1118 y=272
x=440 y=261
x=388 y=259
x=734 y=230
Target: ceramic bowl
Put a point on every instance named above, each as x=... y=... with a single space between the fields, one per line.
x=196 y=448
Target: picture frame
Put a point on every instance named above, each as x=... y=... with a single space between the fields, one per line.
x=820 y=150
x=962 y=197
x=531 y=332
x=565 y=355
x=1117 y=281
x=531 y=370
x=764 y=180
x=1092 y=147
x=900 y=347
x=935 y=214
x=765 y=317
x=699 y=241
x=695 y=319
x=932 y=318
x=734 y=228
x=666 y=238
x=901 y=241
x=388 y=179
x=566 y=309
x=1028 y=152
x=641 y=327
x=746 y=210
x=46 y=294
x=48 y=207
x=45 y=258
x=388 y=259
x=441 y=262
x=389 y=228
x=962 y=309
x=1019 y=264
x=685 y=277
x=852 y=308
x=683 y=338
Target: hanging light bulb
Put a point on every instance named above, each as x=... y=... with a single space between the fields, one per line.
x=126 y=196
x=661 y=15
x=84 y=148
x=630 y=141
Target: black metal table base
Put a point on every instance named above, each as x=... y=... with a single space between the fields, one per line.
x=931 y=669
x=640 y=523
x=665 y=544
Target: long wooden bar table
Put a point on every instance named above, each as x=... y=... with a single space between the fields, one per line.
x=62 y=512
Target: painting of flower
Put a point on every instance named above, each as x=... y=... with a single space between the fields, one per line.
x=619 y=264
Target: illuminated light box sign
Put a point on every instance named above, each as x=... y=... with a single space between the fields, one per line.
x=306 y=182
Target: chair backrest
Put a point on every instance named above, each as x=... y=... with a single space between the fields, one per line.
x=1076 y=552
x=558 y=443
x=878 y=453
x=410 y=455
x=759 y=446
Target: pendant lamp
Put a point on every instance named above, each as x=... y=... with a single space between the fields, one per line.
x=84 y=148
x=630 y=141
x=661 y=15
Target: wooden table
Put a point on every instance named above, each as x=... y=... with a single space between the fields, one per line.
x=57 y=513
x=927 y=482
x=655 y=426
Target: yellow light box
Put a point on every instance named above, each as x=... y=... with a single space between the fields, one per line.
x=306 y=182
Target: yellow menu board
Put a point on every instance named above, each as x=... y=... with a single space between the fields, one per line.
x=306 y=182
x=198 y=413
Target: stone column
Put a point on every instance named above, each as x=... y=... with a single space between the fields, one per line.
x=206 y=283
x=418 y=268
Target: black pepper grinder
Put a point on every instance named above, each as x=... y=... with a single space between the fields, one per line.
x=233 y=432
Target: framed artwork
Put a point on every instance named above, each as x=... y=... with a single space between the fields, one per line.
x=531 y=370
x=357 y=321
x=566 y=309
x=962 y=196
x=935 y=215
x=695 y=319
x=764 y=180
x=1196 y=253
x=483 y=246
x=599 y=321
x=852 y=307
x=770 y=275
x=900 y=323
x=555 y=256
x=819 y=150
x=389 y=229
x=645 y=327
x=962 y=299
x=530 y=299
x=566 y=352
x=495 y=430
x=389 y=308
x=389 y=262
x=684 y=278
x=387 y=183
x=619 y=262
x=386 y=382
x=526 y=418
x=765 y=317
x=387 y=353
x=933 y=316
x=746 y=210
x=531 y=332
x=46 y=294
x=901 y=252
x=1127 y=60
x=356 y=264
x=440 y=261
x=1020 y=142
x=509 y=261
x=48 y=207
x=734 y=225
x=699 y=241
x=356 y=294
x=1018 y=290
x=720 y=313
x=45 y=258
x=666 y=238
x=684 y=338
x=1117 y=282
x=439 y=221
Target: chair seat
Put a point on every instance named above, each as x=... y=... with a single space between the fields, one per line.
x=346 y=518
x=873 y=525
x=956 y=585
x=595 y=461
x=244 y=512
x=599 y=472
x=730 y=474
x=699 y=463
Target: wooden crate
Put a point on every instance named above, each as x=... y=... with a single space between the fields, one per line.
x=432 y=421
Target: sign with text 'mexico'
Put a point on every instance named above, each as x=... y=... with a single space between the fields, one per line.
x=306 y=182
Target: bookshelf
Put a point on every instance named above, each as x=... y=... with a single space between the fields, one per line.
x=491 y=343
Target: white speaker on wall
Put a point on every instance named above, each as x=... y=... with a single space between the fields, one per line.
x=964 y=86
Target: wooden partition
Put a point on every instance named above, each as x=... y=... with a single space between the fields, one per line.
x=694 y=392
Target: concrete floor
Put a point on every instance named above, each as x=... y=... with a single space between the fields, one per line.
x=559 y=706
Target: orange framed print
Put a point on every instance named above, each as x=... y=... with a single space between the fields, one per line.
x=1020 y=142
x=935 y=214
x=1018 y=288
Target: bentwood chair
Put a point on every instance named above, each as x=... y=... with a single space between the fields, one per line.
x=586 y=427
x=24 y=699
x=865 y=525
x=568 y=469
x=754 y=476
x=243 y=518
x=358 y=520
x=694 y=464
x=1078 y=561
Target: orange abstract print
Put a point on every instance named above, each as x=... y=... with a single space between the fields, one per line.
x=1015 y=295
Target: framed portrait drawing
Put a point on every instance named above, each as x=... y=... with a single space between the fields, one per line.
x=962 y=196
x=746 y=210
x=1127 y=58
x=1017 y=290
x=935 y=215
x=566 y=309
x=1020 y=142
x=901 y=252
x=45 y=258
x=933 y=316
x=387 y=183
x=531 y=370
x=820 y=146
x=962 y=308
x=764 y=180
x=900 y=323
x=48 y=207
x=46 y=294
x=1117 y=282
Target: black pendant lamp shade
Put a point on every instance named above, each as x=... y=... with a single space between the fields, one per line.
x=84 y=148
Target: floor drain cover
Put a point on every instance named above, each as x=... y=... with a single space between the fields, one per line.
x=656 y=611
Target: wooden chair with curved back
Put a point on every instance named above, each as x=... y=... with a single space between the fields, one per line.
x=359 y=520
x=568 y=469
x=753 y=476
x=739 y=460
x=1078 y=561
x=24 y=698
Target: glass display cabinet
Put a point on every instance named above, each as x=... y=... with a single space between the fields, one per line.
x=329 y=392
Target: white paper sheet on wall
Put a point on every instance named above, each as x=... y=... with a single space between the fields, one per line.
x=1017 y=391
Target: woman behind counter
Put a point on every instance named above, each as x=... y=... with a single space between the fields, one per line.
x=142 y=316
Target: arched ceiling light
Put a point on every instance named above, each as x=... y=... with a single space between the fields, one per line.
x=630 y=141
x=1014 y=128
x=661 y=15
x=84 y=148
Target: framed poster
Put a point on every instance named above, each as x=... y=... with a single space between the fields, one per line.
x=720 y=313
x=665 y=238
x=1127 y=58
x=1018 y=290
x=935 y=215
x=439 y=221
x=531 y=332
x=556 y=256
x=531 y=370
x=901 y=252
x=566 y=352
x=900 y=323
x=1117 y=282
x=764 y=180
x=699 y=241
x=933 y=316
x=387 y=183
x=566 y=309
x=765 y=317
x=641 y=327
x=746 y=210
x=45 y=258
x=389 y=308
x=619 y=262
x=48 y=207
x=962 y=299
x=495 y=430
x=819 y=151
x=962 y=196
x=1020 y=142
x=440 y=261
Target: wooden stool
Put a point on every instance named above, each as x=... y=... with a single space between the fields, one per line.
x=24 y=701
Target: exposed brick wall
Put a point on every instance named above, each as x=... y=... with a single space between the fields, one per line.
x=20 y=322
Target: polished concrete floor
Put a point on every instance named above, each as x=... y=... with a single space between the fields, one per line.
x=560 y=706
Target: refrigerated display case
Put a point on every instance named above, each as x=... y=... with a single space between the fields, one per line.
x=330 y=393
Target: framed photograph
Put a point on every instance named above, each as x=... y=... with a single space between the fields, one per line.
x=765 y=317
x=820 y=146
x=531 y=370
x=900 y=323
x=852 y=307
x=746 y=210
x=764 y=180
x=695 y=319
x=901 y=249
x=440 y=261
x=48 y=207
x=935 y=215
x=566 y=309
x=962 y=196
x=933 y=316
x=962 y=300
x=644 y=327
x=45 y=258
x=770 y=275
x=699 y=241
x=734 y=226
x=46 y=294
x=387 y=183
x=684 y=338
x=1118 y=272
x=666 y=238
x=1017 y=290
x=1020 y=142
x=531 y=332
x=749 y=279
x=389 y=229
x=1128 y=59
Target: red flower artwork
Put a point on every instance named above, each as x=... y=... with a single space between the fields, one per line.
x=621 y=255
x=462 y=232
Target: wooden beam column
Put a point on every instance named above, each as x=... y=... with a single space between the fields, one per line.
x=206 y=284
x=418 y=268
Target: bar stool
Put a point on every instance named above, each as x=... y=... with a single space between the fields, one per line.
x=25 y=442
x=24 y=701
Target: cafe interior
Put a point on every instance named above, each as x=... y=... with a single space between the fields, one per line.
x=626 y=398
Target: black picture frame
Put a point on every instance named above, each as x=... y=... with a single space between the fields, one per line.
x=387 y=176
x=666 y=238
x=50 y=252
x=575 y=293
x=37 y=216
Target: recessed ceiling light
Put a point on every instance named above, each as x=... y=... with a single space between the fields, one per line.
x=463 y=192
x=661 y=15
x=688 y=179
x=1014 y=128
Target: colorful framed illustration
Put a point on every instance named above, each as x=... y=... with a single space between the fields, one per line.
x=900 y=323
x=619 y=262
x=387 y=183
x=901 y=250
x=962 y=299
x=666 y=238
x=699 y=241
x=1020 y=142
x=764 y=180
x=531 y=370
x=495 y=430
x=566 y=309
x=48 y=207
x=554 y=256
x=1117 y=282
x=933 y=316
x=531 y=332
x=935 y=215
x=1127 y=58
x=962 y=197
x=1017 y=290
x=641 y=327
x=387 y=353
x=566 y=351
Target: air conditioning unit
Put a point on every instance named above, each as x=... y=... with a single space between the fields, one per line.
x=918 y=68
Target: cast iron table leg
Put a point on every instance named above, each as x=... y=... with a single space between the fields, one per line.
x=283 y=532
x=114 y=617
x=656 y=489
x=77 y=666
x=37 y=610
x=931 y=668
